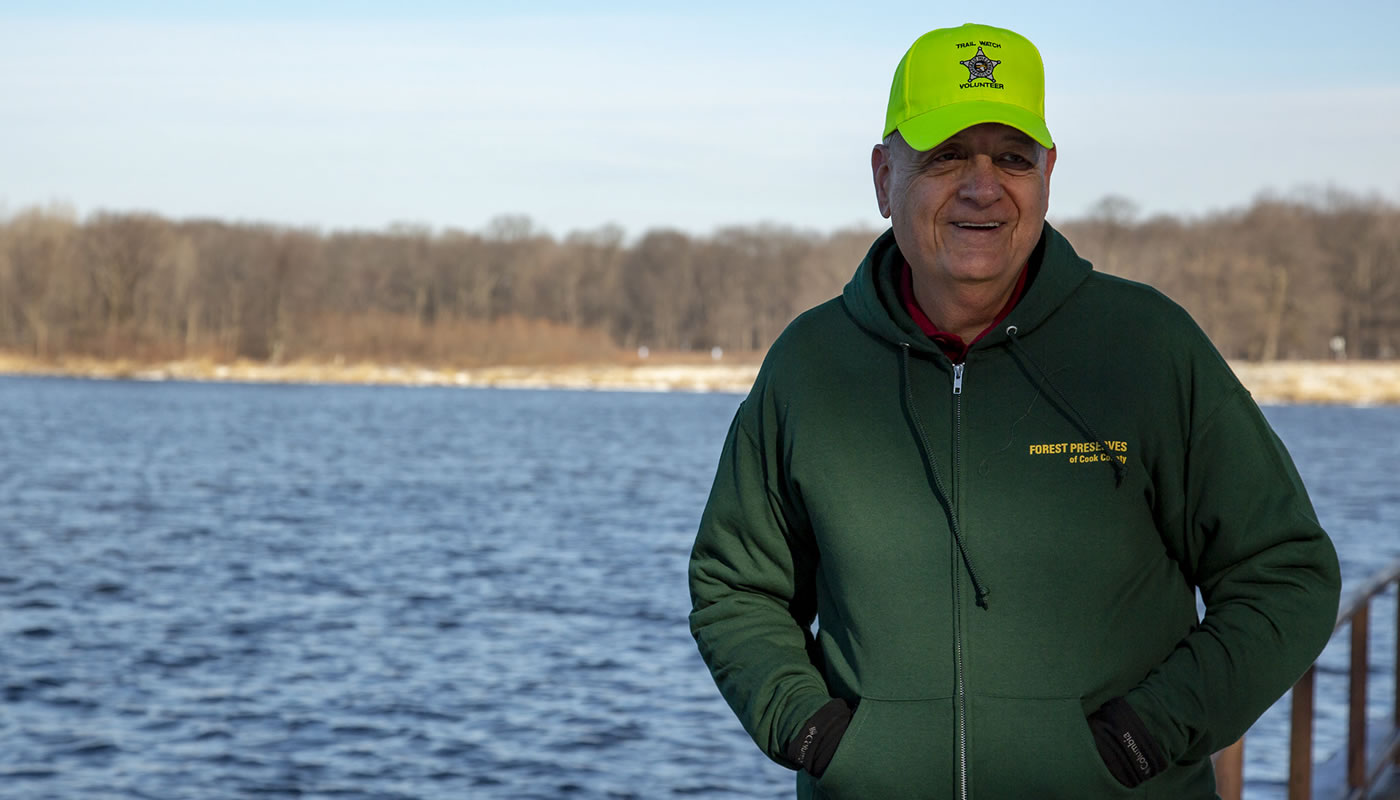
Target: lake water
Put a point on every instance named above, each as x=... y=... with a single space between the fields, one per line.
x=216 y=591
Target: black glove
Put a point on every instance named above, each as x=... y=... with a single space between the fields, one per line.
x=1124 y=743
x=816 y=743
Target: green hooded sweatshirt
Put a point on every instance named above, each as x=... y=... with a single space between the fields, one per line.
x=995 y=549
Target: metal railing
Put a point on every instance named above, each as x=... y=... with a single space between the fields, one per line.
x=1360 y=776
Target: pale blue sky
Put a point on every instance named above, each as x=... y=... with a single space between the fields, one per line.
x=581 y=114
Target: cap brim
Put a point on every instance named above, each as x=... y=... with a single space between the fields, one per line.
x=932 y=128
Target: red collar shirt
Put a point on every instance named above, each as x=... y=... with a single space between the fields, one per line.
x=950 y=343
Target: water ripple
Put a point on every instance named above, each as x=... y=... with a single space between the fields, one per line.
x=350 y=592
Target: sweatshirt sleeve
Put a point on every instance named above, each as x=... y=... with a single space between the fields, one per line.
x=1268 y=573
x=752 y=596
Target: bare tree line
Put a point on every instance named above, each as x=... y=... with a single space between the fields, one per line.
x=1280 y=279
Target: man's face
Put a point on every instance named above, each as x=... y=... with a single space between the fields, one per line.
x=969 y=210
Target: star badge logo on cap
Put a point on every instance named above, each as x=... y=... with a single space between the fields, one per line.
x=979 y=66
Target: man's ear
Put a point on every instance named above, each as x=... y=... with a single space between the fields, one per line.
x=881 y=170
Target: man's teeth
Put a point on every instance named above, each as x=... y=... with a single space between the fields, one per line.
x=978 y=224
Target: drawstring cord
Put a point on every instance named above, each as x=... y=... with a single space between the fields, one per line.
x=977 y=587
x=1120 y=469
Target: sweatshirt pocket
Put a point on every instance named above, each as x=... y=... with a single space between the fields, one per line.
x=894 y=748
x=1037 y=747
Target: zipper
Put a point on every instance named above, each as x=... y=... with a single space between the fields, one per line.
x=960 y=556
x=957 y=582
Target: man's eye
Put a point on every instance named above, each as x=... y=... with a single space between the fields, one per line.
x=945 y=156
x=1016 y=161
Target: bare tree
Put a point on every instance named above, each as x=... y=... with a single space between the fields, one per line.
x=1278 y=279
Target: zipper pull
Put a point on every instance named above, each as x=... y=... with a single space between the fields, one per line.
x=957 y=378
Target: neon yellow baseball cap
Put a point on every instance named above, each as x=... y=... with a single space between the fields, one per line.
x=954 y=78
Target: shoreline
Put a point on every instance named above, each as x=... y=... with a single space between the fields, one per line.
x=1363 y=383
x=660 y=375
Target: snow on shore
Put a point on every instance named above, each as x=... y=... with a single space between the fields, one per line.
x=1349 y=383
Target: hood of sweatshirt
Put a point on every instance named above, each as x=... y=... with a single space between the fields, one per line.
x=872 y=295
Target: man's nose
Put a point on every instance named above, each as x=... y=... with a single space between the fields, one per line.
x=981 y=185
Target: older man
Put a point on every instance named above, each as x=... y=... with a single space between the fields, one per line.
x=998 y=478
